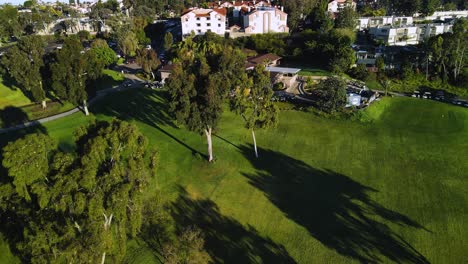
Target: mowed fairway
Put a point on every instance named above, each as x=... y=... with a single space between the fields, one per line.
x=391 y=189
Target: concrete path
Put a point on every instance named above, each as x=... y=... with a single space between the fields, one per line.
x=135 y=83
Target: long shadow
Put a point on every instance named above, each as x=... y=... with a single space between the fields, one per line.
x=226 y=240
x=227 y=141
x=336 y=210
x=147 y=106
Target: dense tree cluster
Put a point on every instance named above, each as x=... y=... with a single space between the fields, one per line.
x=72 y=69
x=79 y=206
x=448 y=54
x=24 y=62
x=331 y=94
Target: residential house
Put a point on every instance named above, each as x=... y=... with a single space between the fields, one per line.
x=200 y=21
x=335 y=6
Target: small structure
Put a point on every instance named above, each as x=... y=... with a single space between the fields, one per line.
x=165 y=71
x=353 y=100
x=287 y=76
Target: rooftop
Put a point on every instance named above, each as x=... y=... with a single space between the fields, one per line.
x=283 y=70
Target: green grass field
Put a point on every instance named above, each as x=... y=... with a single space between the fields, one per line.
x=314 y=72
x=391 y=188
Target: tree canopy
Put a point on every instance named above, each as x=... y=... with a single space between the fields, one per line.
x=24 y=62
x=252 y=101
x=331 y=94
x=72 y=68
x=81 y=206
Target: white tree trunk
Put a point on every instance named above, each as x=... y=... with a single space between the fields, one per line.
x=255 y=143
x=44 y=104
x=152 y=74
x=103 y=258
x=210 y=146
x=85 y=107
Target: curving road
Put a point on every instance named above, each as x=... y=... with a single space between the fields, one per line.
x=135 y=83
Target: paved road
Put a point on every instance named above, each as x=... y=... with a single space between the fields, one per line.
x=135 y=82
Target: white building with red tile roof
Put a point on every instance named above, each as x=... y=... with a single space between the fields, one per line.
x=200 y=21
x=263 y=20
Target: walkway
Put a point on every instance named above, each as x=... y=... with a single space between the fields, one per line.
x=136 y=83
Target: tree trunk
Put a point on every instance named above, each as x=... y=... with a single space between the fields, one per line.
x=255 y=143
x=44 y=104
x=210 y=148
x=103 y=258
x=85 y=107
x=152 y=74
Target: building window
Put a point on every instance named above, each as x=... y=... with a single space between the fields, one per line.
x=208 y=24
x=198 y=31
x=198 y=24
x=198 y=18
x=208 y=18
x=219 y=25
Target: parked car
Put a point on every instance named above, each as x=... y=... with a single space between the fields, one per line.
x=427 y=95
x=416 y=94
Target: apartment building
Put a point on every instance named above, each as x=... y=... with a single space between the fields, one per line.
x=398 y=36
x=200 y=21
x=369 y=22
x=408 y=35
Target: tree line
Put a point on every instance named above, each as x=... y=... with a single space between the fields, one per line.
x=64 y=73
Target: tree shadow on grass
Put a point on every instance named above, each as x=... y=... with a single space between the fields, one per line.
x=11 y=116
x=144 y=105
x=226 y=240
x=336 y=210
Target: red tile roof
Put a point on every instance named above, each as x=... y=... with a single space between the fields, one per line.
x=264 y=57
x=221 y=11
x=167 y=68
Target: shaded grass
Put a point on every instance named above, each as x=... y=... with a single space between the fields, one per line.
x=11 y=96
x=11 y=115
x=109 y=79
x=322 y=191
